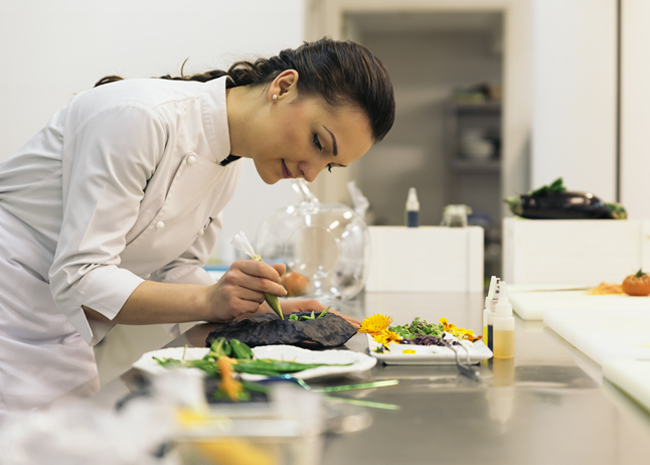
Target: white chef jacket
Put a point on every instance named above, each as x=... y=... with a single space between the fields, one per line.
x=122 y=185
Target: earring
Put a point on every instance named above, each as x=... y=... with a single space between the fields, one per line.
x=275 y=97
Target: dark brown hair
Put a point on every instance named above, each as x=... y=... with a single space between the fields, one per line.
x=340 y=72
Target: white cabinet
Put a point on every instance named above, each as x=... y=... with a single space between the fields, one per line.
x=573 y=252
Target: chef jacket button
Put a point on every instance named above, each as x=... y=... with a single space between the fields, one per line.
x=191 y=159
x=160 y=225
x=200 y=232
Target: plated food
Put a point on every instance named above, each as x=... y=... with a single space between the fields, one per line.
x=420 y=342
x=302 y=329
x=234 y=361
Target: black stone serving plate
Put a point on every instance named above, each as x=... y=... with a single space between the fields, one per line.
x=320 y=333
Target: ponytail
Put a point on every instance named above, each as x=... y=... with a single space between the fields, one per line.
x=339 y=72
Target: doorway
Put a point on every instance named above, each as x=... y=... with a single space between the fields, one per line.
x=447 y=70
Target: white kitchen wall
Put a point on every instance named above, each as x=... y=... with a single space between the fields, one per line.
x=52 y=50
x=574 y=94
x=635 y=108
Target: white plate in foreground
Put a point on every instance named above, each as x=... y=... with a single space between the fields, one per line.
x=428 y=355
x=357 y=361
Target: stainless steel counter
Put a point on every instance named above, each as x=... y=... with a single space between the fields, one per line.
x=549 y=405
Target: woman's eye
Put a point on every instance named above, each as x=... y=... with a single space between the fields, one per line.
x=317 y=142
x=329 y=167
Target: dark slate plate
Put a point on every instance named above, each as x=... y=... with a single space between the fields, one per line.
x=326 y=332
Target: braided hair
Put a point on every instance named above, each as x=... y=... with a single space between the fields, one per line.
x=341 y=72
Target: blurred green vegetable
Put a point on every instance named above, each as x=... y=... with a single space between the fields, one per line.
x=246 y=363
x=240 y=351
x=220 y=347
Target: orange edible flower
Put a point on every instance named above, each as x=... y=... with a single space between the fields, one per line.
x=229 y=384
x=460 y=333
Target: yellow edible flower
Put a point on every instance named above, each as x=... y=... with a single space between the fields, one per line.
x=460 y=333
x=386 y=337
x=375 y=324
x=409 y=351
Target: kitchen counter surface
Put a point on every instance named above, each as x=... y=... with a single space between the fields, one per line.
x=550 y=405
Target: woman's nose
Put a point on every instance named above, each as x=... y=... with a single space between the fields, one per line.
x=309 y=171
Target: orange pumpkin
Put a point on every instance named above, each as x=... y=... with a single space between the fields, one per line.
x=637 y=284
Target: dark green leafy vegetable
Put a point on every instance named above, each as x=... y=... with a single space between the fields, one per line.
x=555 y=187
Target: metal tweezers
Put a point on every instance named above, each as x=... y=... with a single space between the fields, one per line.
x=465 y=370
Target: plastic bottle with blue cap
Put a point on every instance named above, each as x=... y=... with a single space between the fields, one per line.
x=412 y=209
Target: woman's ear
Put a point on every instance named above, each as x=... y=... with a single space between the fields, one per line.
x=284 y=85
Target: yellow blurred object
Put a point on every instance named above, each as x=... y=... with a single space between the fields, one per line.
x=222 y=450
x=231 y=451
x=606 y=289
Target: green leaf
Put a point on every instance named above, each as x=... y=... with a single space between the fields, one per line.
x=555 y=187
x=240 y=351
x=220 y=347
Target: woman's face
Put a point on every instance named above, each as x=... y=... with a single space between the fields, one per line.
x=299 y=137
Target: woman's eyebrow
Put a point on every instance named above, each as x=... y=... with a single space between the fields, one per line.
x=336 y=151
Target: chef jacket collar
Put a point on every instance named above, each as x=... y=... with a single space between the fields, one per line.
x=215 y=117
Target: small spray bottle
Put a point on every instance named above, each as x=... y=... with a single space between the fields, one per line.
x=486 y=310
x=504 y=326
x=412 y=209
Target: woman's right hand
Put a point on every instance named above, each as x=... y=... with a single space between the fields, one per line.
x=241 y=289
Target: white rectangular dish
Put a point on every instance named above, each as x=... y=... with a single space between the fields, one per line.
x=428 y=355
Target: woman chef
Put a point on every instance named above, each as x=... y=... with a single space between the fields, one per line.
x=108 y=214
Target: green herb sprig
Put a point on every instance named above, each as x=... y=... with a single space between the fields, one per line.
x=418 y=327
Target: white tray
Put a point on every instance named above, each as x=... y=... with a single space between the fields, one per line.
x=428 y=355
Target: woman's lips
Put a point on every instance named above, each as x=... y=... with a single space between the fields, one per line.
x=285 y=171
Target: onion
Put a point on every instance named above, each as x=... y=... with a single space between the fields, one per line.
x=295 y=284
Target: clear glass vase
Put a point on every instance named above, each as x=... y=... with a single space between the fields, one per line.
x=327 y=243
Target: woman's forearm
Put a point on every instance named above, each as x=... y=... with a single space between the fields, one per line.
x=153 y=303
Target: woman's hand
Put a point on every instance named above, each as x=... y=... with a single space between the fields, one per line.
x=240 y=291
